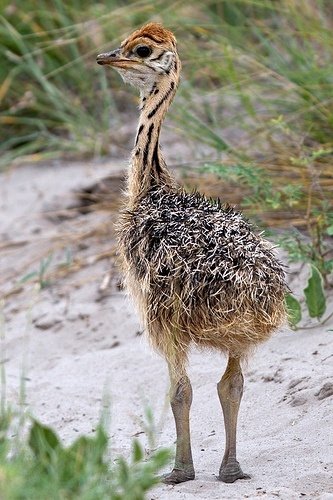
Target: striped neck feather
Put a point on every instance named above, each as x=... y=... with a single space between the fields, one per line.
x=148 y=167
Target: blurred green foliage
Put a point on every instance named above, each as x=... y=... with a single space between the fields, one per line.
x=41 y=467
x=248 y=63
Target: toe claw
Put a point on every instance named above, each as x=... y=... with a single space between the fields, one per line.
x=178 y=476
x=231 y=472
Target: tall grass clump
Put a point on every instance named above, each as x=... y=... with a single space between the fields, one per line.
x=53 y=99
x=261 y=73
x=257 y=76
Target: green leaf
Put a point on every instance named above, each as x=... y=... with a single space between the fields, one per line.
x=161 y=457
x=90 y=448
x=123 y=471
x=44 y=264
x=315 y=295
x=293 y=310
x=137 y=452
x=28 y=276
x=43 y=440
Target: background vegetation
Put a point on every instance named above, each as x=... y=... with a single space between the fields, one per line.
x=37 y=465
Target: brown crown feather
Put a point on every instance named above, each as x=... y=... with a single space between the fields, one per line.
x=155 y=32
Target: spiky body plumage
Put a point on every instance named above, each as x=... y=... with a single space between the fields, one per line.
x=204 y=275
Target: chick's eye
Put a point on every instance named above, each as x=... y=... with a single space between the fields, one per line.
x=143 y=51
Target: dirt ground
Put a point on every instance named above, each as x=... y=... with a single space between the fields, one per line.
x=78 y=338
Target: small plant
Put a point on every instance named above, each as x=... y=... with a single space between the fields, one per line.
x=43 y=275
x=44 y=468
x=262 y=192
x=49 y=83
x=314 y=298
x=40 y=274
x=317 y=247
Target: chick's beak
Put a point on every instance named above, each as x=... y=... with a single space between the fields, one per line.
x=108 y=57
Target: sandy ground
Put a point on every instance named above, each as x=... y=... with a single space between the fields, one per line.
x=78 y=338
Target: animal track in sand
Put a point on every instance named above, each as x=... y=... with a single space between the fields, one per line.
x=325 y=392
x=299 y=391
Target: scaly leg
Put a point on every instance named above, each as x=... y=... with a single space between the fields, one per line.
x=230 y=391
x=181 y=399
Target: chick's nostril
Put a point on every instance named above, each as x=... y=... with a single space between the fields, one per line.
x=105 y=57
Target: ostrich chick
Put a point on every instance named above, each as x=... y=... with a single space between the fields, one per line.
x=197 y=270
